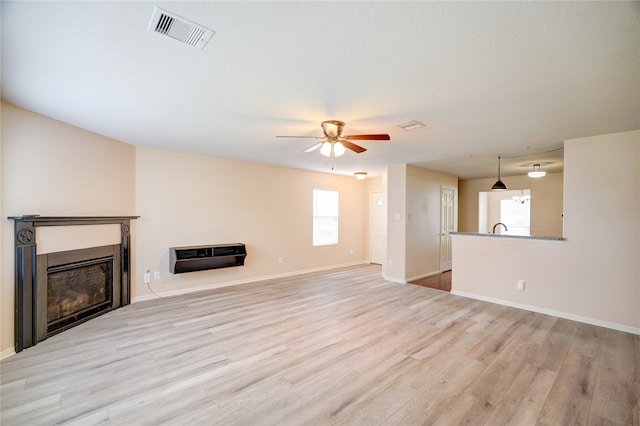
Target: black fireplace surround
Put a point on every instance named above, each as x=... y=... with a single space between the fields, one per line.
x=79 y=284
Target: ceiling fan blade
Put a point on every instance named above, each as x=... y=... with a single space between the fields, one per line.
x=301 y=137
x=353 y=147
x=378 y=137
x=314 y=147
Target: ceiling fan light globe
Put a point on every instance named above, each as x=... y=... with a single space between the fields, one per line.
x=326 y=149
x=338 y=149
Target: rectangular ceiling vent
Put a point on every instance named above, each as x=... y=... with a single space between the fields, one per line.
x=410 y=125
x=180 y=29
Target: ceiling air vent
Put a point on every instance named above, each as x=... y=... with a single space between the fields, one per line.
x=180 y=29
x=410 y=125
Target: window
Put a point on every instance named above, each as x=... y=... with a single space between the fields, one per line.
x=516 y=216
x=325 y=217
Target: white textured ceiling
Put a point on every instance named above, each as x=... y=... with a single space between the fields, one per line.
x=487 y=79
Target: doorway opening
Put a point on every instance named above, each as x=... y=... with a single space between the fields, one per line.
x=513 y=208
x=439 y=282
x=377 y=227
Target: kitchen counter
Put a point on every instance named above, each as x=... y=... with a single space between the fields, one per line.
x=520 y=237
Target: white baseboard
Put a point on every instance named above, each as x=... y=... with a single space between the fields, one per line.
x=408 y=280
x=7 y=353
x=419 y=277
x=242 y=281
x=393 y=280
x=559 y=314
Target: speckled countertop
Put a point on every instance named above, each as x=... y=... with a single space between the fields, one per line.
x=520 y=237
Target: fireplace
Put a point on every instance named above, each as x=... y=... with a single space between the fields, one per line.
x=75 y=286
x=77 y=291
x=57 y=291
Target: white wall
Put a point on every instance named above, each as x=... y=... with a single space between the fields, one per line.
x=593 y=276
x=51 y=168
x=413 y=221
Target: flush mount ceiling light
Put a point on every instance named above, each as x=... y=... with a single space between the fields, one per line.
x=410 y=125
x=178 y=28
x=360 y=175
x=499 y=185
x=536 y=173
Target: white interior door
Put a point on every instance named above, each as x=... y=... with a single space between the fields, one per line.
x=377 y=227
x=447 y=225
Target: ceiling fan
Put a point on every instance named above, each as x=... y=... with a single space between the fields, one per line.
x=333 y=143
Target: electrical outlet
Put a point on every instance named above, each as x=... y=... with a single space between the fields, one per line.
x=520 y=285
x=156 y=275
x=280 y=259
x=147 y=277
x=351 y=252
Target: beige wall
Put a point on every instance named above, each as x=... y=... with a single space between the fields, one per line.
x=593 y=276
x=182 y=200
x=413 y=221
x=8 y=306
x=51 y=168
x=602 y=222
x=423 y=220
x=546 y=202
x=187 y=199
x=396 y=181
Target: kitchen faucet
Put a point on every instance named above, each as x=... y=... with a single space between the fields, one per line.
x=499 y=223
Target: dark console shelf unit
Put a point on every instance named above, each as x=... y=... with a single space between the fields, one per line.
x=201 y=258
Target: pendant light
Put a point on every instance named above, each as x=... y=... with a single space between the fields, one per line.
x=499 y=185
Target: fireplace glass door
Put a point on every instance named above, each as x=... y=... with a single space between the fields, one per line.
x=78 y=291
x=74 y=286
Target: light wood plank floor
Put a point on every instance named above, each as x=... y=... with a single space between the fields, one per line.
x=338 y=347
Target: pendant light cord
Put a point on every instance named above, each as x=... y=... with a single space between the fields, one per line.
x=532 y=155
